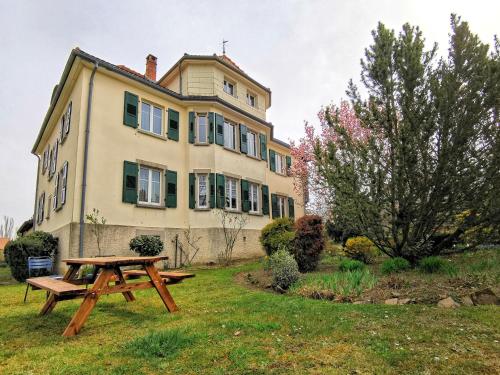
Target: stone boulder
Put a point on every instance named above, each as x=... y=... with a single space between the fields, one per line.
x=448 y=303
x=485 y=297
x=391 y=301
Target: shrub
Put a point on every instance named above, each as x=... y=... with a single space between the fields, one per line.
x=395 y=265
x=309 y=242
x=349 y=265
x=35 y=244
x=432 y=264
x=360 y=248
x=146 y=245
x=284 y=269
x=278 y=234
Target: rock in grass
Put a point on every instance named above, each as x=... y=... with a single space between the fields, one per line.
x=404 y=301
x=448 y=303
x=466 y=301
x=391 y=301
x=485 y=297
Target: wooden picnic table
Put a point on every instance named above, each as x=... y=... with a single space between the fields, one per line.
x=107 y=269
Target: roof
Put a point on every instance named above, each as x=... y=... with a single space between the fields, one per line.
x=3 y=242
x=224 y=60
x=131 y=74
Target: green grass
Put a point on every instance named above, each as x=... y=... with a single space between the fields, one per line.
x=341 y=284
x=224 y=328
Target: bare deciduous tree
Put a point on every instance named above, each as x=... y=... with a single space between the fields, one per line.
x=232 y=224
x=192 y=242
x=7 y=227
x=97 y=226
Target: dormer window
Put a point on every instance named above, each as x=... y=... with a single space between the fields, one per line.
x=229 y=87
x=251 y=100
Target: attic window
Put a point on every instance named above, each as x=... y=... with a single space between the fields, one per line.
x=251 y=100
x=229 y=87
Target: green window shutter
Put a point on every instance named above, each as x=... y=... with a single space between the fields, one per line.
x=265 y=200
x=219 y=129
x=173 y=125
x=221 y=191
x=291 y=208
x=211 y=125
x=130 y=173
x=171 y=189
x=245 y=200
x=191 y=127
x=130 y=109
x=263 y=146
x=243 y=139
x=211 y=180
x=192 y=179
x=272 y=160
x=274 y=206
x=288 y=164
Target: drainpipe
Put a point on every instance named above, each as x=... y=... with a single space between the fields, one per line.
x=85 y=160
x=36 y=192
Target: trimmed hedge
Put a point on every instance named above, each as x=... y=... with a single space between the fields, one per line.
x=146 y=245
x=284 y=269
x=309 y=242
x=278 y=234
x=34 y=244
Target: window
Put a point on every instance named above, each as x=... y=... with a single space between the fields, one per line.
x=53 y=159
x=229 y=135
x=253 y=195
x=151 y=118
x=202 y=191
x=64 y=180
x=251 y=100
x=55 y=195
x=49 y=205
x=231 y=193
x=252 y=144
x=41 y=205
x=229 y=87
x=282 y=205
x=202 y=121
x=149 y=185
x=45 y=160
x=280 y=163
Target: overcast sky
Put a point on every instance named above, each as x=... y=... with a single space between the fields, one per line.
x=305 y=51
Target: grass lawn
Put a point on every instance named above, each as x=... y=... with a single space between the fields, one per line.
x=225 y=328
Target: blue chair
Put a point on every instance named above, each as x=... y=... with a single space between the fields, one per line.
x=38 y=263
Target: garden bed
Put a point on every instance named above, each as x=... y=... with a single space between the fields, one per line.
x=472 y=273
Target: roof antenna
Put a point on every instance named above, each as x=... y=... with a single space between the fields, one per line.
x=224 y=46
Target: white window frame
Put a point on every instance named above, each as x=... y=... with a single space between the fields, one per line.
x=229 y=87
x=67 y=120
x=55 y=195
x=149 y=192
x=41 y=207
x=282 y=205
x=152 y=108
x=199 y=178
x=280 y=163
x=254 y=192
x=231 y=193
x=227 y=126
x=64 y=182
x=251 y=134
x=198 y=138
x=251 y=100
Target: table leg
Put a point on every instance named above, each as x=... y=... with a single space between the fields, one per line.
x=129 y=297
x=88 y=303
x=161 y=287
x=51 y=301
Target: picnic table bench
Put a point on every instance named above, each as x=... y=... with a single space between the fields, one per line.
x=107 y=269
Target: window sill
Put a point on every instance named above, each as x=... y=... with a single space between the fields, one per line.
x=145 y=205
x=154 y=135
x=231 y=149
x=234 y=211
x=254 y=157
x=201 y=144
x=255 y=213
x=202 y=209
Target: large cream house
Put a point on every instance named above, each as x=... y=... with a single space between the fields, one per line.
x=158 y=156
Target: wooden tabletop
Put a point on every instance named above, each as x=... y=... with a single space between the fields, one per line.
x=115 y=261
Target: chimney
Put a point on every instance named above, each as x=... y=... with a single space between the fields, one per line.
x=151 y=67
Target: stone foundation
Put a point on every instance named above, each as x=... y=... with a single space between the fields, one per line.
x=116 y=238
